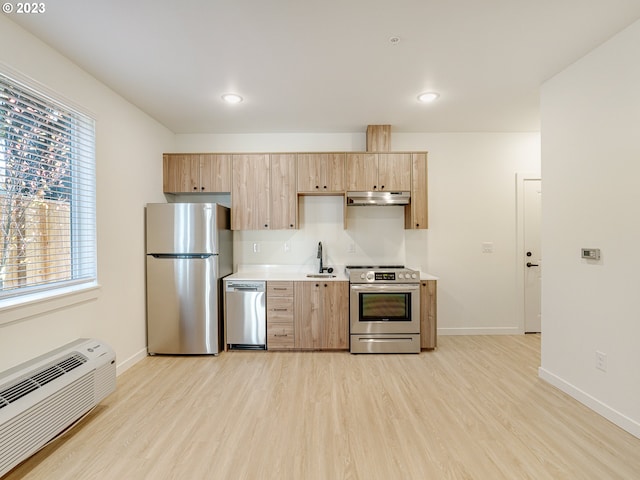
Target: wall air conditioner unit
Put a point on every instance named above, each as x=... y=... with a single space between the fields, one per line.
x=40 y=398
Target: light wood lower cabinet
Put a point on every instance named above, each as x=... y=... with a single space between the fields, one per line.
x=428 y=314
x=321 y=315
x=280 y=314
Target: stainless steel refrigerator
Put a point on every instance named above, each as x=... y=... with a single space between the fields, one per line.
x=189 y=251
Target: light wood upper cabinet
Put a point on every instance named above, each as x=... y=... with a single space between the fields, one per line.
x=215 y=173
x=378 y=172
x=362 y=172
x=321 y=173
x=416 y=214
x=250 y=192
x=263 y=194
x=321 y=315
x=284 y=200
x=196 y=173
x=180 y=173
x=394 y=171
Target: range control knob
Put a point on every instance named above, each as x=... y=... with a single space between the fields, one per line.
x=370 y=276
x=401 y=275
x=362 y=276
x=414 y=275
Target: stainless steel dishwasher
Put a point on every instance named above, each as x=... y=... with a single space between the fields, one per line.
x=246 y=315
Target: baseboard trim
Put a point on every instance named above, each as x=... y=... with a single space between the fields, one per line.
x=131 y=361
x=480 y=331
x=593 y=403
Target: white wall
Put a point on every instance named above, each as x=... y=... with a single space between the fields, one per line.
x=591 y=152
x=472 y=192
x=129 y=174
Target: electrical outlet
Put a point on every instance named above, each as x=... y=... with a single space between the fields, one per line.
x=287 y=247
x=601 y=361
x=256 y=247
x=487 y=247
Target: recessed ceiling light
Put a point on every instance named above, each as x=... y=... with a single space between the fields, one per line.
x=394 y=40
x=428 y=97
x=231 y=98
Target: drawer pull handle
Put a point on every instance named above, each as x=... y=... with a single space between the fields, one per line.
x=280 y=335
x=280 y=309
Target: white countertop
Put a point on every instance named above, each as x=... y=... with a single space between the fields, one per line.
x=294 y=273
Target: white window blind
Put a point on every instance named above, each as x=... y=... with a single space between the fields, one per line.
x=47 y=192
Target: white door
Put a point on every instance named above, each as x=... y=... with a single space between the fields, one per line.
x=532 y=256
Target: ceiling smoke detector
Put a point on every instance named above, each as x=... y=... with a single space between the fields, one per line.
x=394 y=40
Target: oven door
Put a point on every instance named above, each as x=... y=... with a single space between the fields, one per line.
x=384 y=308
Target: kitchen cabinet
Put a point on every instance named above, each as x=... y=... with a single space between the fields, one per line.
x=196 y=173
x=321 y=173
x=280 y=315
x=428 y=314
x=375 y=172
x=250 y=192
x=321 y=315
x=263 y=195
x=416 y=214
x=284 y=199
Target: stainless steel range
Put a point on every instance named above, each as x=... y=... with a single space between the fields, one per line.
x=384 y=309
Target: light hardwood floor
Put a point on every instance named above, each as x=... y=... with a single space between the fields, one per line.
x=473 y=409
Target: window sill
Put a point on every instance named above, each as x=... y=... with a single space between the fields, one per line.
x=16 y=309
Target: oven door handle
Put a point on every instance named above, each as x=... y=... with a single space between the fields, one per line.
x=386 y=287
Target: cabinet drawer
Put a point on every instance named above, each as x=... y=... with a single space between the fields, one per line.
x=279 y=309
x=280 y=336
x=279 y=289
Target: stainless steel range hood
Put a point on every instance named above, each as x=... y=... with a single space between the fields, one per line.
x=378 y=198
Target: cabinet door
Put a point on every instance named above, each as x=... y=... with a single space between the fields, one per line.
x=362 y=172
x=180 y=173
x=428 y=314
x=394 y=172
x=310 y=166
x=250 y=196
x=334 y=172
x=416 y=214
x=335 y=323
x=308 y=315
x=283 y=191
x=215 y=173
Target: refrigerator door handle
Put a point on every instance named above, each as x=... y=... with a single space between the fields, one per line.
x=171 y=255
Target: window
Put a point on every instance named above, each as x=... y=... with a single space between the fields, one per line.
x=47 y=193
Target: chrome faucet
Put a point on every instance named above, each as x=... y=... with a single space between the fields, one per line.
x=320 y=270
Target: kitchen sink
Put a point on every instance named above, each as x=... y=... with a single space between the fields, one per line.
x=320 y=275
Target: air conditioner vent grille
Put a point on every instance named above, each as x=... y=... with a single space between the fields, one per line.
x=40 y=378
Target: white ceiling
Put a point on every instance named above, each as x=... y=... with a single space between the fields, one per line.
x=328 y=65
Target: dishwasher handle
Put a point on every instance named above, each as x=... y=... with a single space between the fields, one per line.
x=246 y=287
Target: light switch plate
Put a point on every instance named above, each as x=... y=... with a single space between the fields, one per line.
x=487 y=247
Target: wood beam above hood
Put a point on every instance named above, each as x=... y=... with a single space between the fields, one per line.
x=378 y=138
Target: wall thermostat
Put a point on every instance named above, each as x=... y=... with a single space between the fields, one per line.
x=591 y=253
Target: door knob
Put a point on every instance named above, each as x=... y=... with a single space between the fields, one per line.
x=529 y=265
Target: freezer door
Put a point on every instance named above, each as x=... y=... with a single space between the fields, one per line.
x=183 y=305
x=185 y=227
